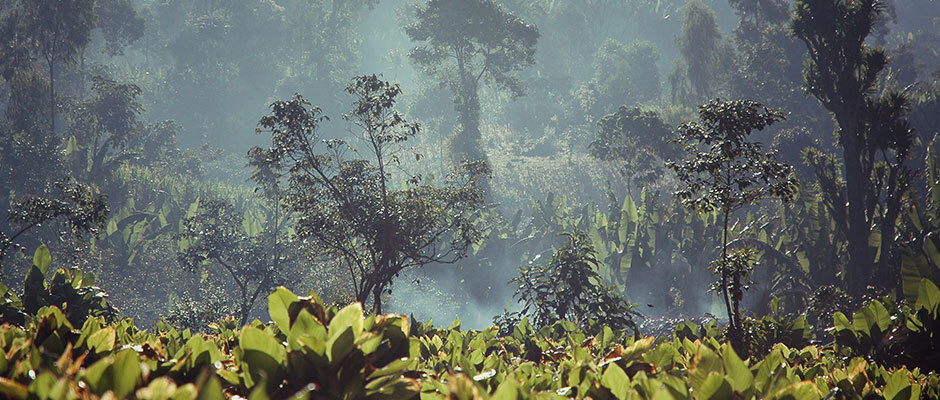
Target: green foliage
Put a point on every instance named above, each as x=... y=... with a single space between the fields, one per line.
x=900 y=336
x=315 y=351
x=70 y=290
x=119 y=23
x=569 y=288
x=106 y=129
x=84 y=211
x=638 y=139
x=464 y=42
x=700 y=46
x=55 y=31
x=724 y=171
x=787 y=329
x=215 y=235
x=349 y=210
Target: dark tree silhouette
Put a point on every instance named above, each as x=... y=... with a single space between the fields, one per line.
x=841 y=73
x=349 y=210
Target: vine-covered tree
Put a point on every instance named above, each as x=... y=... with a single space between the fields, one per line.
x=351 y=210
x=723 y=171
x=464 y=43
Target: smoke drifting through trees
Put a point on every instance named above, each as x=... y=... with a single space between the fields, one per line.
x=569 y=108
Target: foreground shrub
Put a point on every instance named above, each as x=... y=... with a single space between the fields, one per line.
x=312 y=350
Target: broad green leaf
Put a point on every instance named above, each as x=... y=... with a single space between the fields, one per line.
x=715 y=387
x=262 y=354
x=804 y=390
x=898 y=386
x=928 y=295
x=279 y=303
x=736 y=370
x=349 y=317
x=96 y=375
x=42 y=386
x=704 y=363
x=211 y=389
x=112 y=227
x=102 y=341
x=840 y=321
x=508 y=390
x=193 y=209
x=126 y=373
x=305 y=325
x=338 y=346
x=395 y=367
x=616 y=380
x=42 y=259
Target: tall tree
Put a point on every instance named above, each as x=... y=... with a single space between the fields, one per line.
x=464 y=42
x=841 y=73
x=699 y=43
x=55 y=30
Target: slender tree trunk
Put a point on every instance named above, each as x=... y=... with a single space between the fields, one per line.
x=52 y=94
x=81 y=77
x=377 y=297
x=887 y=265
x=859 y=268
x=732 y=320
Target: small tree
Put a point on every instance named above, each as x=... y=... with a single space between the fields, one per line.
x=348 y=210
x=725 y=172
x=214 y=236
x=570 y=289
x=634 y=138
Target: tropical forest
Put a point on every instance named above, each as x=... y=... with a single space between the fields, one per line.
x=469 y=199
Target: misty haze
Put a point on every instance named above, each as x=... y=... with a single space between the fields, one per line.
x=470 y=199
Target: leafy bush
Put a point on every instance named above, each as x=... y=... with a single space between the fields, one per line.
x=909 y=336
x=71 y=290
x=315 y=351
x=570 y=289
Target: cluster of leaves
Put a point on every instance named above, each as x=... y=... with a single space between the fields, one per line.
x=315 y=351
x=310 y=350
x=215 y=235
x=84 y=211
x=569 y=288
x=71 y=290
x=908 y=336
x=638 y=139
